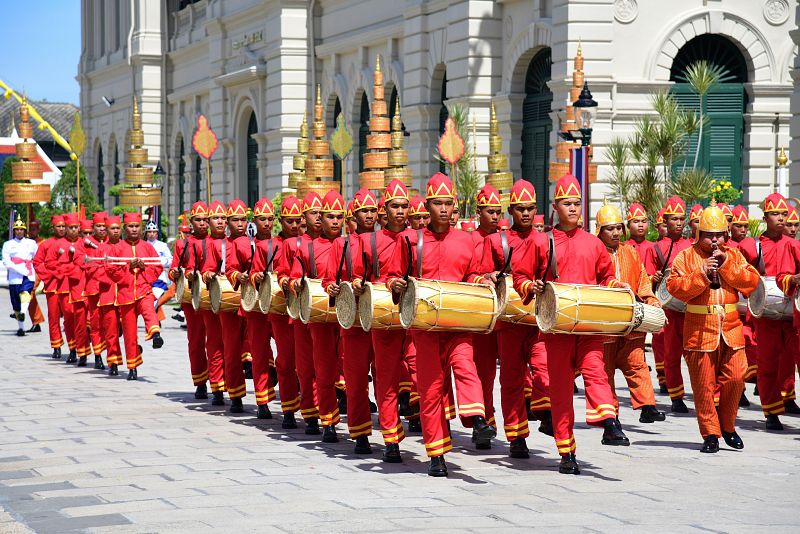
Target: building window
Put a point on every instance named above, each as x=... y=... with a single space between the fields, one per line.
x=444 y=114
x=537 y=125
x=337 y=163
x=101 y=179
x=179 y=204
x=252 y=161
x=363 y=130
x=116 y=172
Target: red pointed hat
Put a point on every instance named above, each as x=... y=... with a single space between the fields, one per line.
x=696 y=212
x=439 y=186
x=417 y=206
x=740 y=214
x=113 y=220
x=503 y=224
x=199 y=209
x=86 y=224
x=236 y=208
x=395 y=189
x=129 y=218
x=381 y=206
x=468 y=226
x=216 y=208
x=725 y=209
x=660 y=216
x=793 y=217
x=675 y=206
x=364 y=199
x=349 y=214
x=332 y=202
x=522 y=192
x=775 y=203
x=71 y=219
x=56 y=219
x=567 y=187
x=99 y=217
x=263 y=207
x=487 y=197
x=636 y=211
x=312 y=201
x=538 y=219
x=291 y=207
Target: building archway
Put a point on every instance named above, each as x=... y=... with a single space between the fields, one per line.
x=101 y=178
x=537 y=125
x=337 y=163
x=251 y=155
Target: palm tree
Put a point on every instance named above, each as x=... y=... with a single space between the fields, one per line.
x=702 y=76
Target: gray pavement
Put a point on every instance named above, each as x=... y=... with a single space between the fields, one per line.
x=82 y=452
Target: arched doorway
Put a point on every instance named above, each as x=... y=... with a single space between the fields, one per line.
x=537 y=125
x=722 y=145
x=363 y=130
x=337 y=163
x=252 y=161
x=101 y=179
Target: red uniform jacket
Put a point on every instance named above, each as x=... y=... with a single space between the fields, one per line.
x=290 y=246
x=91 y=269
x=774 y=251
x=386 y=243
x=136 y=284
x=107 y=289
x=790 y=266
x=70 y=266
x=641 y=248
x=47 y=276
x=651 y=261
x=321 y=248
x=263 y=254
x=353 y=266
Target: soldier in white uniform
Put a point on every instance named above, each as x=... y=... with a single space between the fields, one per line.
x=18 y=255
x=163 y=281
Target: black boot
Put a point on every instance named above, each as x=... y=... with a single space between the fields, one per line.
x=329 y=435
x=373 y=408
x=415 y=425
x=743 y=401
x=289 y=422
x=518 y=449
x=263 y=412
x=341 y=397
x=273 y=375
x=236 y=406
x=218 y=399
x=662 y=389
x=650 y=414
x=575 y=389
x=362 y=445
x=247 y=367
x=56 y=354
x=569 y=464
x=20 y=332
x=755 y=391
x=73 y=357
x=133 y=375
x=82 y=361
x=678 y=406
x=312 y=427
x=158 y=341
x=774 y=423
x=791 y=407
x=113 y=370
x=201 y=392
x=546 y=424
x=613 y=434
x=98 y=363
x=710 y=445
x=403 y=404
x=391 y=454
x=437 y=467
x=482 y=432
x=531 y=415
x=35 y=328
x=733 y=440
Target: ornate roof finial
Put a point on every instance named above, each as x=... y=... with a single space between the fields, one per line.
x=493 y=115
x=319 y=95
x=304 y=125
x=783 y=159
x=378 y=63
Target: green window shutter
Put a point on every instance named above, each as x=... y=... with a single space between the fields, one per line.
x=252 y=162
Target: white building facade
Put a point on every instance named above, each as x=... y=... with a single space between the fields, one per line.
x=250 y=66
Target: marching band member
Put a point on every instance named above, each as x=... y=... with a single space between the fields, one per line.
x=50 y=279
x=738 y=232
x=626 y=353
x=34 y=310
x=447 y=254
x=579 y=258
x=789 y=280
x=538 y=223
x=92 y=289
x=107 y=297
x=161 y=284
x=520 y=345
x=709 y=277
x=69 y=261
x=418 y=215
x=658 y=260
x=134 y=281
x=382 y=218
x=18 y=254
x=661 y=226
x=792 y=223
x=788 y=389
x=694 y=218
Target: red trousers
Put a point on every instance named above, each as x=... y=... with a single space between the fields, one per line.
x=567 y=355
x=673 y=350
x=109 y=325
x=722 y=370
x=95 y=327
x=214 y=366
x=68 y=313
x=520 y=347
x=54 y=320
x=358 y=359
x=82 y=347
x=788 y=369
x=259 y=332
x=627 y=354
x=658 y=356
x=232 y=336
x=484 y=354
x=196 y=344
x=775 y=361
x=437 y=354
x=750 y=348
x=304 y=365
x=128 y=313
x=390 y=370
x=283 y=333
x=325 y=339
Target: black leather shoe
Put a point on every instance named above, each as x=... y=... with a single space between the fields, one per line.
x=546 y=424
x=415 y=426
x=218 y=400
x=20 y=332
x=56 y=354
x=662 y=388
x=362 y=445
x=201 y=392
x=341 y=397
x=178 y=317
x=744 y=402
x=247 y=367
x=733 y=440
x=82 y=361
x=755 y=391
x=98 y=363
x=791 y=407
x=236 y=406
x=289 y=421
x=710 y=445
x=373 y=408
x=404 y=404
x=678 y=406
x=575 y=389
x=73 y=357
x=263 y=412
x=273 y=376
x=774 y=423
x=329 y=435
x=613 y=434
x=437 y=467
x=391 y=454
x=158 y=341
x=113 y=370
x=312 y=427
x=35 y=328
x=569 y=464
x=483 y=445
x=518 y=449
x=650 y=414
x=133 y=375
x=481 y=430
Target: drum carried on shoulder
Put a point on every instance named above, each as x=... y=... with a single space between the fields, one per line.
x=769 y=302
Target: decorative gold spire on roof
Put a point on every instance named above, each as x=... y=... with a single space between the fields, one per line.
x=318 y=162
x=379 y=140
x=783 y=159
x=499 y=176
x=139 y=189
x=26 y=169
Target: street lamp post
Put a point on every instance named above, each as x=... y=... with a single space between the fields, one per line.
x=585 y=109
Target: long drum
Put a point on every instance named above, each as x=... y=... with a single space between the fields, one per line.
x=515 y=311
x=347 y=306
x=315 y=303
x=768 y=301
x=270 y=296
x=222 y=295
x=666 y=299
x=435 y=305
x=182 y=291
x=249 y=297
x=377 y=310
x=200 y=299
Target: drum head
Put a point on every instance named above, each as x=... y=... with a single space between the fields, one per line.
x=757 y=300
x=365 y=307
x=346 y=307
x=293 y=305
x=249 y=296
x=214 y=294
x=662 y=294
x=265 y=294
x=546 y=308
x=196 y=293
x=180 y=287
x=305 y=302
x=408 y=304
x=501 y=291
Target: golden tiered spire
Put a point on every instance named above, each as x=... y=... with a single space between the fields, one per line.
x=26 y=169
x=318 y=162
x=299 y=159
x=139 y=189
x=379 y=140
x=398 y=157
x=499 y=176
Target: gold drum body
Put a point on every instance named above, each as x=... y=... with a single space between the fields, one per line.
x=435 y=305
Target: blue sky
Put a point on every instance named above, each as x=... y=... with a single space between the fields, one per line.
x=41 y=44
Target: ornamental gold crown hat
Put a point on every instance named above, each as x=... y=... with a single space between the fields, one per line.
x=217 y=208
x=349 y=213
x=713 y=220
x=312 y=201
x=236 y=208
x=19 y=223
x=488 y=197
x=775 y=203
x=608 y=214
x=522 y=192
x=740 y=215
x=725 y=209
x=793 y=217
x=636 y=211
x=660 y=217
x=417 y=206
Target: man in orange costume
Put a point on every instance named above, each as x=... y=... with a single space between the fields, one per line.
x=577 y=258
x=709 y=277
x=51 y=280
x=626 y=353
x=107 y=297
x=440 y=252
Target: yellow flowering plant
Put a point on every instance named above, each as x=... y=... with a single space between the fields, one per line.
x=723 y=191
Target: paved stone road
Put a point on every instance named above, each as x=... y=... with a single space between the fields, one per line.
x=82 y=452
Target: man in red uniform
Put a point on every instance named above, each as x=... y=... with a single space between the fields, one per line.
x=712 y=329
x=418 y=215
x=267 y=257
x=578 y=258
x=70 y=262
x=661 y=226
x=183 y=264
x=107 y=297
x=50 y=279
x=134 y=291
x=792 y=223
x=694 y=218
x=773 y=335
x=442 y=253
x=92 y=289
x=738 y=231
x=520 y=345
x=382 y=218
x=219 y=255
x=788 y=389
x=657 y=262
x=538 y=223
x=357 y=344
